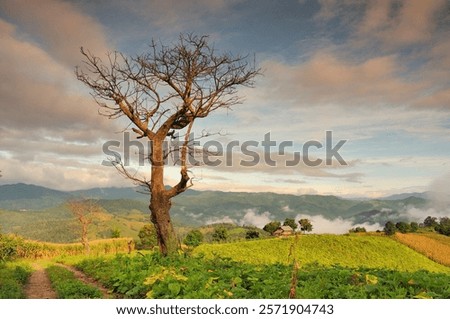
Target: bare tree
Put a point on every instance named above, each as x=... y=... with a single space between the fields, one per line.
x=83 y=210
x=163 y=92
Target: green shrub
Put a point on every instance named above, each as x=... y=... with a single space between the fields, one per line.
x=12 y=281
x=220 y=234
x=148 y=237
x=193 y=238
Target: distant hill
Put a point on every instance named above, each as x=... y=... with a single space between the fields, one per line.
x=112 y=193
x=423 y=195
x=39 y=213
x=24 y=197
x=31 y=197
x=25 y=191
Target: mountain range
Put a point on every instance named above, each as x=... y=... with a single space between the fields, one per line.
x=40 y=213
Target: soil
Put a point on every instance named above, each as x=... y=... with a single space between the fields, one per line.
x=39 y=286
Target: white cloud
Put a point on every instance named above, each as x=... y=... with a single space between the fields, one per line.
x=252 y=218
x=60 y=27
x=67 y=175
x=322 y=225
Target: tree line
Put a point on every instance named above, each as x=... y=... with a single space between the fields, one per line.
x=442 y=227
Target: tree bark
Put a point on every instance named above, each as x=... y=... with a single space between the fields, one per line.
x=160 y=202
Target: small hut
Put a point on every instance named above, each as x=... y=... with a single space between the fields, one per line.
x=283 y=231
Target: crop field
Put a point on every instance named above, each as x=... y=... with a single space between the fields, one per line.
x=326 y=250
x=12 y=247
x=13 y=277
x=435 y=247
x=438 y=237
x=329 y=266
x=151 y=276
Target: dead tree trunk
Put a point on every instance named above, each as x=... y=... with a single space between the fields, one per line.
x=160 y=201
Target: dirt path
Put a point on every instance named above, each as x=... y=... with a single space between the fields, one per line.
x=39 y=286
x=88 y=280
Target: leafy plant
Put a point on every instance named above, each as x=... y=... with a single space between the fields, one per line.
x=193 y=238
x=220 y=234
x=68 y=287
x=148 y=238
x=12 y=280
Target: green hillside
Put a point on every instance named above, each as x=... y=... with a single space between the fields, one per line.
x=57 y=224
x=327 y=250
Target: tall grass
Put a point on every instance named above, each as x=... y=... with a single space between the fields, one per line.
x=12 y=247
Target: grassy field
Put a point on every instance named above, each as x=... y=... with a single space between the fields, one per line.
x=434 y=246
x=13 y=277
x=330 y=266
x=326 y=250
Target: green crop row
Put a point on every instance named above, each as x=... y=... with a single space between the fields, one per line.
x=12 y=280
x=347 y=251
x=152 y=276
x=68 y=287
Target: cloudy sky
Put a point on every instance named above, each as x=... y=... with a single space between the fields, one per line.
x=373 y=73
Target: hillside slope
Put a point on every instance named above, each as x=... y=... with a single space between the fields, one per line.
x=347 y=251
x=39 y=213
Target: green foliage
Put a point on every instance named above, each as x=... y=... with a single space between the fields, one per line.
x=358 y=230
x=403 y=227
x=193 y=238
x=444 y=226
x=152 y=276
x=413 y=227
x=12 y=280
x=68 y=287
x=430 y=222
x=115 y=233
x=272 y=226
x=305 y=225
x=220 y=234
x=252 y=234
x=290 y=222
x=365 y=283
x=389 y=228
x=148 y=237
x=8 y=247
